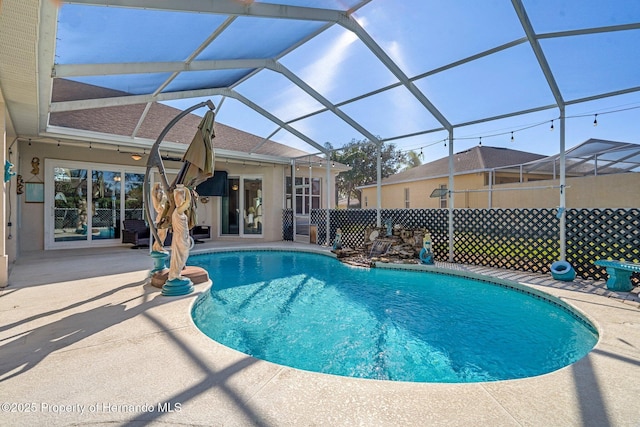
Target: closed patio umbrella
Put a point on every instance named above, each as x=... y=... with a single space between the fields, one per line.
x=198 y=165
x=199 y=158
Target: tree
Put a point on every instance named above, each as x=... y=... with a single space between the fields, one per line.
x=361 y=157
x=413 y=160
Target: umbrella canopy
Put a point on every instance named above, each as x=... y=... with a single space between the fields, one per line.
x=199 y=157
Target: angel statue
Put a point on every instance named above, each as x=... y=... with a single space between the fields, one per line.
x=181 y=242
x=160 y=201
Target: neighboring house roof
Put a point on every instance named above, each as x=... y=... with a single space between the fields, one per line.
x=475 y=159
x=592 y=157
x=122 y=120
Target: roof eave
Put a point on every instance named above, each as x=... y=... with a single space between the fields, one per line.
x=62 y=133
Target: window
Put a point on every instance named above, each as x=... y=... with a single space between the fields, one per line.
x=406 y=198
x=443 y=195
x=307 y=196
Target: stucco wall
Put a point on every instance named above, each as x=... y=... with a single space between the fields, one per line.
x=30 y=225
x=604 y=191
x=419 y=192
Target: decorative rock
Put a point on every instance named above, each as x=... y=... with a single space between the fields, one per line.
x=389 y=244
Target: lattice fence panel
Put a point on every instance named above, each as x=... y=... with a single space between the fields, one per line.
x=352 y=223
x=594 y=234
x=287 y=224
x=319 y=217
x=521 y=239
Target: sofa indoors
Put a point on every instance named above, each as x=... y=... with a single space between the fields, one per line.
x=137 y=232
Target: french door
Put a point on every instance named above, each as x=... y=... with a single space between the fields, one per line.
x=85 y=203
x=241 y=209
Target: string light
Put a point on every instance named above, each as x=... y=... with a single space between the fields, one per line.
x=551 y=128
x=480 y=144
x=90 y=148
x=29 y=141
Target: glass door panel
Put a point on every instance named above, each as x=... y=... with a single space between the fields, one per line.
x=105 y=215
x=70 y=204
x=133 y=196
x=230 y=218
x=252 y=206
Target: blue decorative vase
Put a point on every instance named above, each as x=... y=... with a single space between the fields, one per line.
x=562 y=270
x=159 y=261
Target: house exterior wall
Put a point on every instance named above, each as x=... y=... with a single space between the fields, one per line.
x=30 y=230
x=419 y=192
x=30 y=227
x=273 y=194
x=603 y=191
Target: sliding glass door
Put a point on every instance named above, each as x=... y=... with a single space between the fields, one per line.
x=88 y=202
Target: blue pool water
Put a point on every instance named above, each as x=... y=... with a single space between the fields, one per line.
x=312 y=312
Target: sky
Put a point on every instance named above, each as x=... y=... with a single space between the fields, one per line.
x=424 y=39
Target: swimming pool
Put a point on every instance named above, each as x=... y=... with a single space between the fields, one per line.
x=312 y=312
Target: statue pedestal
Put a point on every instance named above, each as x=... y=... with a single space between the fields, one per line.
x=195 y=275
x=177 y=287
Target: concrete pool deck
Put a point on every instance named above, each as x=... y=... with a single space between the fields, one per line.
x=84 y=340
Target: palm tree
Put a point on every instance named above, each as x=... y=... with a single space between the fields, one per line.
x=413 y=160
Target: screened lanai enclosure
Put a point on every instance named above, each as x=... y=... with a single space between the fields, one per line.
x=427 y=76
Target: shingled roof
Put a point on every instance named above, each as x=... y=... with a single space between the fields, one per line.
x=475 y=159
x=122 y=120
